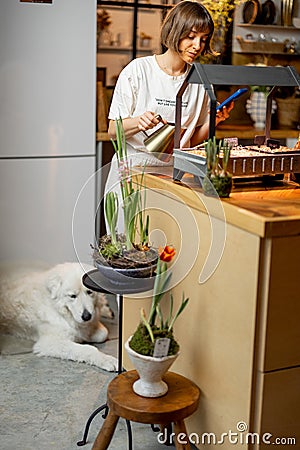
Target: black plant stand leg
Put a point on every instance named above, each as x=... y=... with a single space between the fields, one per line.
x=120 y=370
x=89 y=421
x=129 y=434
x=120 y=333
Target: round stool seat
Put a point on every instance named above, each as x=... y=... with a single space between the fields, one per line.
x=179 y=402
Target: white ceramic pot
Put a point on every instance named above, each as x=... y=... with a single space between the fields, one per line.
x=150 y=370
x=256 y=106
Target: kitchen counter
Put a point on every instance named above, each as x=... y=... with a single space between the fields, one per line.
x=265 y=210
x=239 y=131
x=248 y=132
x=238 y=261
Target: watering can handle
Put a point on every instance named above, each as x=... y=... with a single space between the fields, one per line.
x=158 y=117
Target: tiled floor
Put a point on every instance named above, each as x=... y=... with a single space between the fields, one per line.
x=45 y=402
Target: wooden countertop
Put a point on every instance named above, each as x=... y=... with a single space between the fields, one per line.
x=248 y=132
x=102 y=137
x=239 y=131
x=262 y=210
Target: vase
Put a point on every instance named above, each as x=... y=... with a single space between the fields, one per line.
x=132 y=271
x=104 y=38
x=256 y=106
x=151 y=371
x=217 y=186
x=125 y=281
x=288 y=112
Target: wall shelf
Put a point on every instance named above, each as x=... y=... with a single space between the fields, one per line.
x=133 y=4
x=267 y=27
x=273 y=44
x=116 y=49
x=129 y=20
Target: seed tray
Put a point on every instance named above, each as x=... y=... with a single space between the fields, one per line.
x=255 y=163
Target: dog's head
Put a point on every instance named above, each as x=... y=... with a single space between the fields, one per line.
x=64 y=283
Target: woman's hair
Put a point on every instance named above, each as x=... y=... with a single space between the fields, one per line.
x=181 y=19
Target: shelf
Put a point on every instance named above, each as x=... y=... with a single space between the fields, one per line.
x=116 y=49
x=269 y=27
x=239 y=131
x=253 y=52
x=263 y=47
x=248 y=132
x=122 y=4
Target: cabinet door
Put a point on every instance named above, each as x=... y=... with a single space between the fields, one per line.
x=280 y=409
x=282 y=333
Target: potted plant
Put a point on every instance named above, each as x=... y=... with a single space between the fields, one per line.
x=103 y=24
x=153 y=348
x=128 y=253
x=218 y=180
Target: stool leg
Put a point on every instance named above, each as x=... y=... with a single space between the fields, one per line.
x=129 y=434
x=166 y=429
x=179 y=427
x=106 y=433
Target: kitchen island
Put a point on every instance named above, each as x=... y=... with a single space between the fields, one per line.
x=238 y=261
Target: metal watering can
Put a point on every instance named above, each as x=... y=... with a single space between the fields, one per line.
x=161 y=141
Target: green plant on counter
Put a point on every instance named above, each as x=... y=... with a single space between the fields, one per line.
x=218 y=180
x=264 y=89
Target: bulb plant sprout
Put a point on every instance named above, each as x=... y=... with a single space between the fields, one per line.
x=130 y=248
x=218 y=180
x=155 y=326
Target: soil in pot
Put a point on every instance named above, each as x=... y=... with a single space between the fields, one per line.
x=217 y=185
x=136 y=257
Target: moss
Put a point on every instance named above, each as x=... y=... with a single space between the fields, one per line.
x=141 y=341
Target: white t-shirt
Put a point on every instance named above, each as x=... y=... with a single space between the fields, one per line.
x=144 y=86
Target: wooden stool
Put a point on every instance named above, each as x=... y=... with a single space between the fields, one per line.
x=179 y=402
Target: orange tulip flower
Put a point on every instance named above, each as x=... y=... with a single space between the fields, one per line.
x=167 y=253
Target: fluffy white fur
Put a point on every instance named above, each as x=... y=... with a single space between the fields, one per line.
x=54 y=309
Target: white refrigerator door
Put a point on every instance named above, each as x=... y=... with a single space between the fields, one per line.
x=47 y=209
x=47 y=78
x=47 y=130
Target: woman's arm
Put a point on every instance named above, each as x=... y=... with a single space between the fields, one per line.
x=133 y=125
x=201 y=133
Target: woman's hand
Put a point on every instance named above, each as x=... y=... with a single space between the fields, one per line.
x=148 y=120
x=224 y=113
x=201 y=133
x=132 y=125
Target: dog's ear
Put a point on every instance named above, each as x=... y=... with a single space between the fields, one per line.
x=53 y=284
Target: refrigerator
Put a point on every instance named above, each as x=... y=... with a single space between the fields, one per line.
x=47 y=130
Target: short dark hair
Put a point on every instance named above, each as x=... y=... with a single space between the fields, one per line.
x=181 y=19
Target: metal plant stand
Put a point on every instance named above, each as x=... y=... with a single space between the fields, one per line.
x=92 y=280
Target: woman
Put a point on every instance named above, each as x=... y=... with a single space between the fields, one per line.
x=147 y=87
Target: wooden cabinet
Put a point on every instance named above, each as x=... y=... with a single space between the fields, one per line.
x=279 y=407
x=240 y=334
x=134 y=31
x=270 y=44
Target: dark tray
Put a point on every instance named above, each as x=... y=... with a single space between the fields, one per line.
x=239 y=166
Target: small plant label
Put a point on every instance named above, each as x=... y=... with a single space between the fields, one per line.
x=161 y=347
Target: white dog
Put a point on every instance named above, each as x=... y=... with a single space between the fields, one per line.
x=54 y=309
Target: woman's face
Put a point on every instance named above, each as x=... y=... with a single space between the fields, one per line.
x=192 y=46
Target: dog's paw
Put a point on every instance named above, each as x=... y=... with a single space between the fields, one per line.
x=105 y=309
x=109 y=363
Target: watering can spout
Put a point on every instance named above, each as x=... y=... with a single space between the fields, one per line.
x=161 y=142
